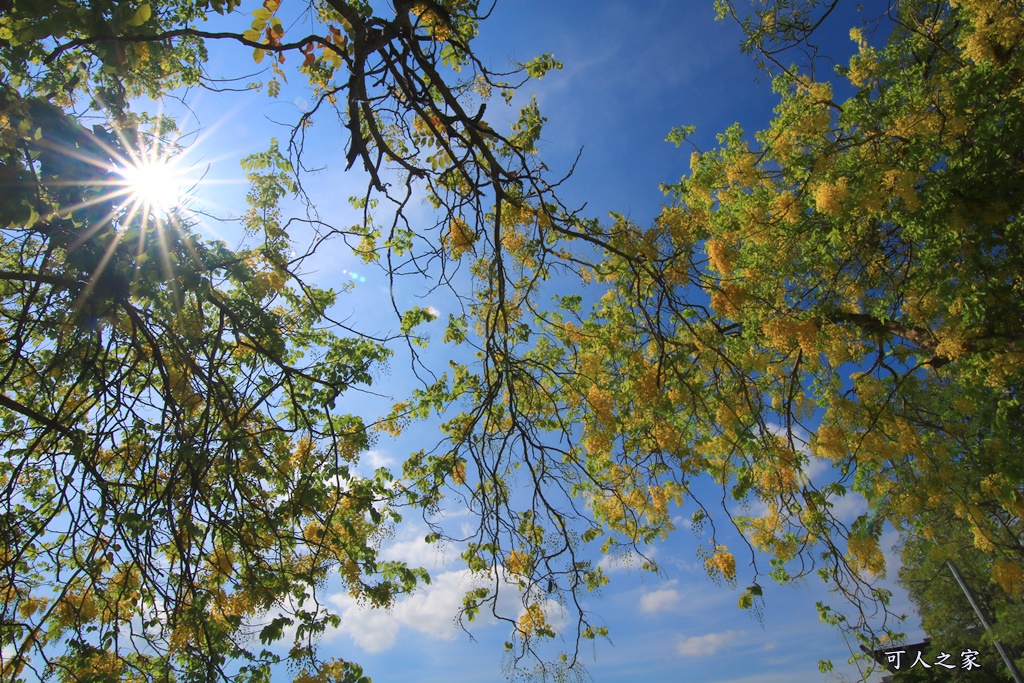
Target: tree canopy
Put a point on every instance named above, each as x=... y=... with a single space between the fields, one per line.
x=840 y=292
x=946 y=613
x=177 y=482
x=174 y=465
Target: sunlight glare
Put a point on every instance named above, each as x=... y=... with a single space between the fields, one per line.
x=155 y=183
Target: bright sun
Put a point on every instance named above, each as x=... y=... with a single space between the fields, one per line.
x=153 y=183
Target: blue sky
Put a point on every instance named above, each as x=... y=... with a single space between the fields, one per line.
x=633 y=71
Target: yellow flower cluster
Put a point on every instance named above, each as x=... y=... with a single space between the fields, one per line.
x=766 y=535
x=513 y=240
x=1009 y=576
x=1003 y=369
x=786 y=207
x=232 y=606
x=718 y=256
x=518 y=563
x=829 y=443
x=303 y=449
x=775 y=481
x=981 y=539
x=31 y=605
x=437 y=27
x=597 y=442
x=76 y=606
x=99 y=666
x=532 y=619
x=573 y=333
x=864 y=65
x=459 y=473
x=659 y=503
x=679 y=224
x=728 y=299
x=807 y=337
x=222 y=561
x=951 y=347
x=601 y=404
x=864 y=554
x=649 y=385
x=331 y=671
x=912 y=124
x=863 y=68
x=721 y=562
x=742 y=171
x=802 y=119
x=995 y=27
x=460 y=237
x=829 y=197
x=901 y=184
x=667 y=438
x=784 y=335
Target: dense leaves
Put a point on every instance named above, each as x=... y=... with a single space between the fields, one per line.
x=830 y=308
x=946 y=613
x=861 y=265
x=178 y=482
x=176 y=472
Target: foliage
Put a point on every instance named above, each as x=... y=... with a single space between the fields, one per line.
x=841 y=293
x=830 y=309
x=946 y=614
x=862 y=268
x=178 y=480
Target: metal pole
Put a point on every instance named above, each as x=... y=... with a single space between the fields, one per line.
x=984 y=622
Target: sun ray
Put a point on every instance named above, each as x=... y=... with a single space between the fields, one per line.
x=154 y=178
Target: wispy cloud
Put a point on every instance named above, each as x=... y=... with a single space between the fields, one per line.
x=430 y=611
x=626 y=561
x=662 y=600
x=416 y=552
x=707 y=645
x=378 y=458
x=849 y=507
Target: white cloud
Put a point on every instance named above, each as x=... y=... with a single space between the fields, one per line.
x=626 y=561
x=706 y=645
x=662 y=600
x=376 y=459
x=372 y=630
x=431 y=611
x=849 y=507
x=817 y=469
x=415 y=552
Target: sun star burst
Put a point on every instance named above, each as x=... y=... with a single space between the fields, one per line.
x=154 y=182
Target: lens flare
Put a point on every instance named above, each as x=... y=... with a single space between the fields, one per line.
x=157 y=184
x=154 y=182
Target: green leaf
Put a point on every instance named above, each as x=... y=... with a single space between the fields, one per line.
x=679 y=135
x=273 y=631
x=141 y=15
x=539 y=66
